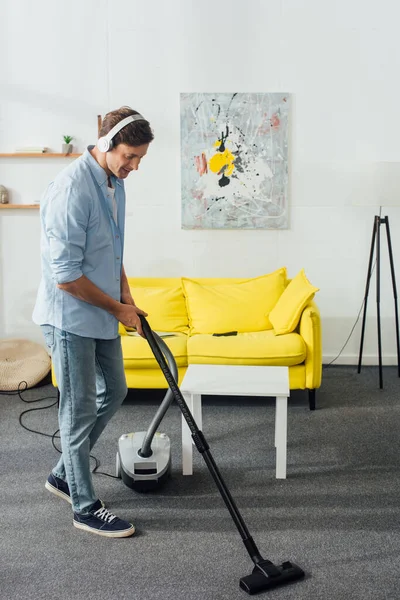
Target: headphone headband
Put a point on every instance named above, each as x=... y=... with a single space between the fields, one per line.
x=105 y=143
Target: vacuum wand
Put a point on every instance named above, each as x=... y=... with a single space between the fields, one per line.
x=265 y=575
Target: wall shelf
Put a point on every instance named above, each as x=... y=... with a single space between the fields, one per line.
x=32 y=155
x=38 y=155
x=19 y=206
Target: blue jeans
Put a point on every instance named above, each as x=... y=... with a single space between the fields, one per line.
x=91 y=380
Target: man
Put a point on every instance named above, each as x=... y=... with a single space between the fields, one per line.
x=83 y=295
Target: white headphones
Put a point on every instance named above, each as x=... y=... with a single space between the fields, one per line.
x=105 y=143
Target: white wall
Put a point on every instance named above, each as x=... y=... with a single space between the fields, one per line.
x=69 y=61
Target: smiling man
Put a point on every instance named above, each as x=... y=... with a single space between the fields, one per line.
x=82 y=297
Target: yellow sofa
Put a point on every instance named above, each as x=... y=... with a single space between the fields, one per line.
x=193 y=309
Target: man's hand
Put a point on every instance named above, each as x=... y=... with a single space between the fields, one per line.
x=127 y=304
x=128 y=315
x=126 y=299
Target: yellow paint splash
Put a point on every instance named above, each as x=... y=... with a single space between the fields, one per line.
x=221 y=160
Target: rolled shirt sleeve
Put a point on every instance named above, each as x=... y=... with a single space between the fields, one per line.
x=66 y=227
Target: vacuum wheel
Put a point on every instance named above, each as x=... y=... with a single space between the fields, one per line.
x=118 y=466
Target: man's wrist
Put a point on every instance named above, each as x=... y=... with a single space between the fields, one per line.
x=126 y=296
x=114 y=308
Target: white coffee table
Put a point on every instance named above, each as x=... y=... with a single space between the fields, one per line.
x=232 y=380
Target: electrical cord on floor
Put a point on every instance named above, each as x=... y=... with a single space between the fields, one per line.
x=352 y=329
x=96 y=472
x=347 y=341
x=22 y=387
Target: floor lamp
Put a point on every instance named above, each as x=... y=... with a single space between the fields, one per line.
x=385 y=190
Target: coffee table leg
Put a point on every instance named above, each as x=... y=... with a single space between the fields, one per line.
x=281 y=436
x=193 y=402
x=187 y=448
x=196 y=412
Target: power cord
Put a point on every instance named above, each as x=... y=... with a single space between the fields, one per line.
x=347 y=341
x=352 y=329
x=22 y=387
x=358 y=316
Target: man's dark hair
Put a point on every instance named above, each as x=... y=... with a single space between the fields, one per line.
x=136 y=133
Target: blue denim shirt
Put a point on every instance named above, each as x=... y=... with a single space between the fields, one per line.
x=80 y=237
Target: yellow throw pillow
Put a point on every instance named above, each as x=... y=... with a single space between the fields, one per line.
x=243 y=306
x=166 y=307
x=285 y=316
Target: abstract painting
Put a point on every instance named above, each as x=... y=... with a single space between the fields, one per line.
x=234 y=160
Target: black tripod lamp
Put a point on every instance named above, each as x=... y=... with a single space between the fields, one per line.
x=384 y=192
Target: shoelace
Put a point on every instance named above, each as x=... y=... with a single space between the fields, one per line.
x=104 y=515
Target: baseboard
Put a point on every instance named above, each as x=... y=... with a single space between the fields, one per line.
x=368 y=360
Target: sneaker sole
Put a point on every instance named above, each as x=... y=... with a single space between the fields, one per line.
x=111 y=534
x=57 y=492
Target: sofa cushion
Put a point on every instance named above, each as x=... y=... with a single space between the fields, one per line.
x=242 y=306
x=166 y=306
x=286 y=314
x=255 y=348
x=137 y=353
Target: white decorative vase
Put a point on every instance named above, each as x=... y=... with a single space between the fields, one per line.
x=66 y=148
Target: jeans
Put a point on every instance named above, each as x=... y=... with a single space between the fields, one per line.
x=92 y=385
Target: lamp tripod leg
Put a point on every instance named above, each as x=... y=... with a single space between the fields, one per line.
x=378 y=298
x=394 y=292
x=371 y=257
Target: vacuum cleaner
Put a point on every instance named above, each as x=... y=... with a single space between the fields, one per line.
x=143 y=460
x=265 y=575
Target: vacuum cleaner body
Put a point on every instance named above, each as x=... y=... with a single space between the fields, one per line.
x=143 y=474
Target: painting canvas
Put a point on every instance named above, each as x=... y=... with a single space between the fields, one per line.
x=234 y=160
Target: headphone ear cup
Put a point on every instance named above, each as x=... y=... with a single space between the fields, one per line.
x=103 y=144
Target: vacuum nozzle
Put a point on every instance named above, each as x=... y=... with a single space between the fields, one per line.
x=266 y=576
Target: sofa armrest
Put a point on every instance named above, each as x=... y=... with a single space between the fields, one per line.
x=311 y=332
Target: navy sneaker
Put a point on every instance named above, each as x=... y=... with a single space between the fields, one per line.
x=99 y=520
x=60 y=488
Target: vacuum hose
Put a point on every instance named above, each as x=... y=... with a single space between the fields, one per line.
x=146 y=451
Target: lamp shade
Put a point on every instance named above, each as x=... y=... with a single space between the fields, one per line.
x=379 y=185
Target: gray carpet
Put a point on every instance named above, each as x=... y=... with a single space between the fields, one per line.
x=337 y=514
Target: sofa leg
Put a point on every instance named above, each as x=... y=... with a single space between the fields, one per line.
x=311 y=399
